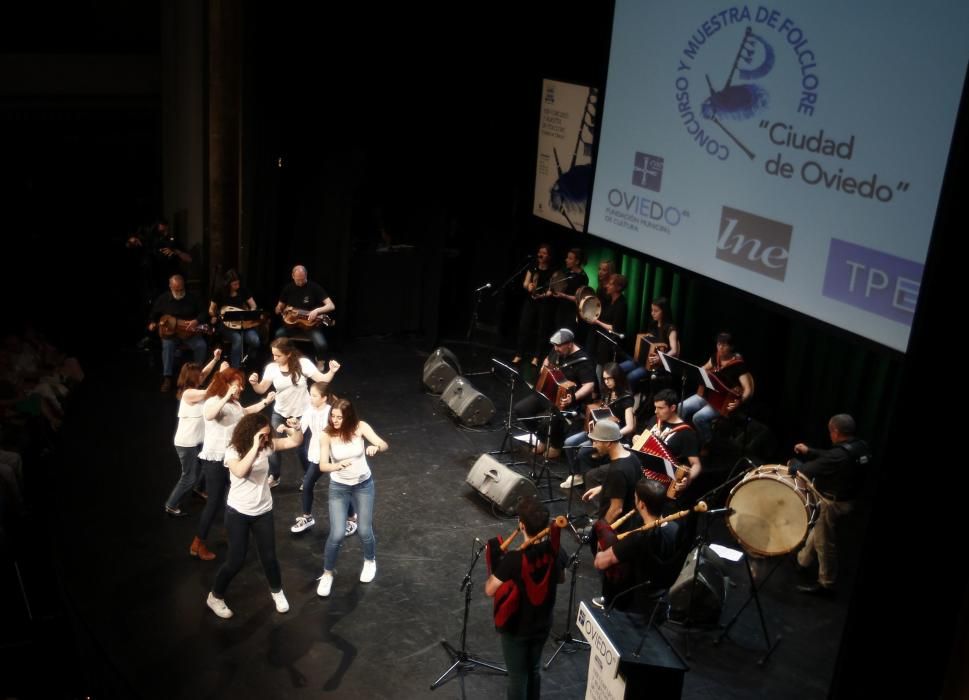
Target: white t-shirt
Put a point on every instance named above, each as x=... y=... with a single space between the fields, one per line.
x=191 y=428
x=291 y=399
x=218 y=432
x=251 y=495
x=315 y=419
x=355 y=450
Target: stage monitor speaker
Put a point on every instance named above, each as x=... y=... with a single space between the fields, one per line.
x=711 y=589
x=440 y=368
x=467 y=403
x=499 y=484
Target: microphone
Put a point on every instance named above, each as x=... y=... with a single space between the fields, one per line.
x=616 y=598
x=621 y=336
x=720 y=511
x=483 y=287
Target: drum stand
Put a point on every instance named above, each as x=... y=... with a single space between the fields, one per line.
x=566 y=637
x=754 y=589
x=463 y=660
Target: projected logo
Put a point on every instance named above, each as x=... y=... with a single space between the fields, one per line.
x=727 y=71
x=754 y=242
x=648 y=171
x=872 y=280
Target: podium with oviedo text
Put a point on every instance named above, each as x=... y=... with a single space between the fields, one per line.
x=616 y=671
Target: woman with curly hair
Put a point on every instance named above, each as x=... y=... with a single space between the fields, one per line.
x=249 y=507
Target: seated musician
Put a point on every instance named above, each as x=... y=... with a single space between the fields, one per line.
x=659 y=330
x=232 y=294
x=578 y=368
x=729 y=367
x=678 y=437
x=184 y=306
x=524 y=635
x=615 y=397
x=308 y=296
x=651 y=554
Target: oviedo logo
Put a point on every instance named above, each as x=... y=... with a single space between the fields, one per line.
x=648 y=171
x=754 y=243
x=726 y=72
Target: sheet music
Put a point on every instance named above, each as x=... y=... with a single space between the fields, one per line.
x=706 y=379
x=666 y=365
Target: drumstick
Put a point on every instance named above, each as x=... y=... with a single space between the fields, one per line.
x=700 y=507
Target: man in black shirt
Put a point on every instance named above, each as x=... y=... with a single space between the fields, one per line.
x=184 y=306
x=838 y=477
x=679 y=439
x=304 y=295
x=577 y=367
x=536 y=572
x=651 y=554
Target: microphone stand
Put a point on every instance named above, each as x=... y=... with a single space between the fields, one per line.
x=471 y=329
x=463 y=660
x=566 y=637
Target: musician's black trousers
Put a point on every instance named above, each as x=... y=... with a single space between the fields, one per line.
x=532 y=406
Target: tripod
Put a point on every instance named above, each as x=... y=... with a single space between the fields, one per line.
x=463 y=660
x=566 y=637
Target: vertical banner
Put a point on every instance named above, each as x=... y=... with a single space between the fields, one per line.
x=563 y=173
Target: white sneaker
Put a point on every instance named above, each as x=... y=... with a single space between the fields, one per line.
x=302 y=523
x=326 y=583
x=351 y=527
x=574 y=480
x=218 y=606
x=368 y=571
x=282 y=605
x=272 y=481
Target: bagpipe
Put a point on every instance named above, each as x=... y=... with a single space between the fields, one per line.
x=508 y=596
x=606 y=535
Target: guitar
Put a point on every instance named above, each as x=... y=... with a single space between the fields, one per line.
x=300 y=317
x=169 y=327
x=242 y=319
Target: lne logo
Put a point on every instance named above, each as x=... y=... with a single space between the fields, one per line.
x=754 y=242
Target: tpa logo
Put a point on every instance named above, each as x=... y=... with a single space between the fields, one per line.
x=754 y=242
x=648 y=171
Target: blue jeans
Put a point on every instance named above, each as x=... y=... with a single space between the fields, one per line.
x=314 y=334
x=169 y=345
x=189 y=458
x=634 y=372
x=702 y=414
x=523 y=657
x=361 y=496
x=237 y=340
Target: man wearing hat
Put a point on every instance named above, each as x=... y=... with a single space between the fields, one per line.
x=577 y=367
x=613 y=484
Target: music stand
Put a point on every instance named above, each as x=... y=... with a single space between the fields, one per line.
x=545 y=472
x=463 y=660
x=513 y=374
x=688 y=374
x=753 y=595
x=566 y=637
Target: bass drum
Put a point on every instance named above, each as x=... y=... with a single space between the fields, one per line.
x=772 y=510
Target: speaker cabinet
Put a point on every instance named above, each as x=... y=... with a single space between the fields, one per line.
x=467 y=403
x=710 y=592
x=499 y=484
x=440 y=368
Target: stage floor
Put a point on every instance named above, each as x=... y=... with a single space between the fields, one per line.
x=119 y=606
